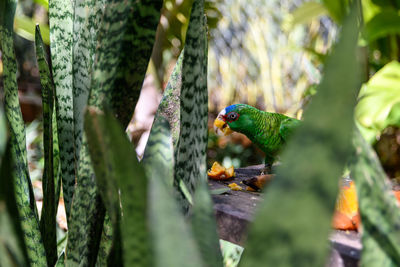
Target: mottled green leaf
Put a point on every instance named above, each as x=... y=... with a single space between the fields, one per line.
x=12 y=246
x=379 y=210
x=61 y=42
x=108 y=54
x=49 y=210
x=205 y=227
x=87 y=215
x=192 y=144
x=135 y=54
x=158 y=163
x=23 y=187
x=292 y=225
x=99 y=147
x=123 y=170
x=87 y=20
x=3 y=132
x=169 y=107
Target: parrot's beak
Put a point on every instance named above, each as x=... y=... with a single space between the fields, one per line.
x=220 y=125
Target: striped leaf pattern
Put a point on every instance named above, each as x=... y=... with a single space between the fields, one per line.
x=135 y=54
x=169 y=107
x=380 y=214
x=87 y=215
x=108 y=54
x=157 y=162
x=159 y=151
x=83 y=217
x=12 y=246
x=87 y=18
x=50 y=199
x=120 y=170
x=23 y=187
x=191 y=148
x=99 y=147
x=61 y=40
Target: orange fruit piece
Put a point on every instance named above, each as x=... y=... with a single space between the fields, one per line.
x=230 y=172
x=347 y=202
x=235 y=187
x=217 y=172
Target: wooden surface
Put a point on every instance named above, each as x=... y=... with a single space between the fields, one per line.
x=235 y=210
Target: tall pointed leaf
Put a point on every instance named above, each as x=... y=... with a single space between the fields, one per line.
x=116 y=167
x=158 y=163
x=49 y=210
x=87 y=19
x=205 y=226
x=379 y=210
x=293 y=222
x=192 y=143
x=61 y=41
x=169 y=107
x=12 y=246
x=23 y=187
x=88 y=215
x=135 y=54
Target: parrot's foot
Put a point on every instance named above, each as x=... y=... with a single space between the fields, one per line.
x=267 y=169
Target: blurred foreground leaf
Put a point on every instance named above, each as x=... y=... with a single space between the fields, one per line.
x=12 y=246
x=379 y=209
x=293 y=222
x=117 y=168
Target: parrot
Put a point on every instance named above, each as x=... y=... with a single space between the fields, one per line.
x=269 y=131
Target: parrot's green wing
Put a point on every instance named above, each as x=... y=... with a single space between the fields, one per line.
x=287 y=127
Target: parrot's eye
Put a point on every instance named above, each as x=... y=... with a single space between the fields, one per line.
x=232 y=116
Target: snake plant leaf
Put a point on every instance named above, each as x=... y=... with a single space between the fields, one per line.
x=169 y=107
x=12 y=246
x=23 y=187
x=110 y=38
x=205 y=227
x=135 y=55
x=192 y=144
x=108 y=54
x=123 y=171
x=158 y=163
x=3 y=131
x=158 y=150
x=87 y=18
x=49 y=210
x=99 y=147
x=87 y=215
x=293 y=222
x=61 y=42
x=380 y=214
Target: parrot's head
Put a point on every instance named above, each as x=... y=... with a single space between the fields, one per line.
x=233 y=118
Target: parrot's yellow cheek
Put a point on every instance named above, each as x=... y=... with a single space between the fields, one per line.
x=221 y=127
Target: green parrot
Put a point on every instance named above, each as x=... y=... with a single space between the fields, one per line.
x=269 y=131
